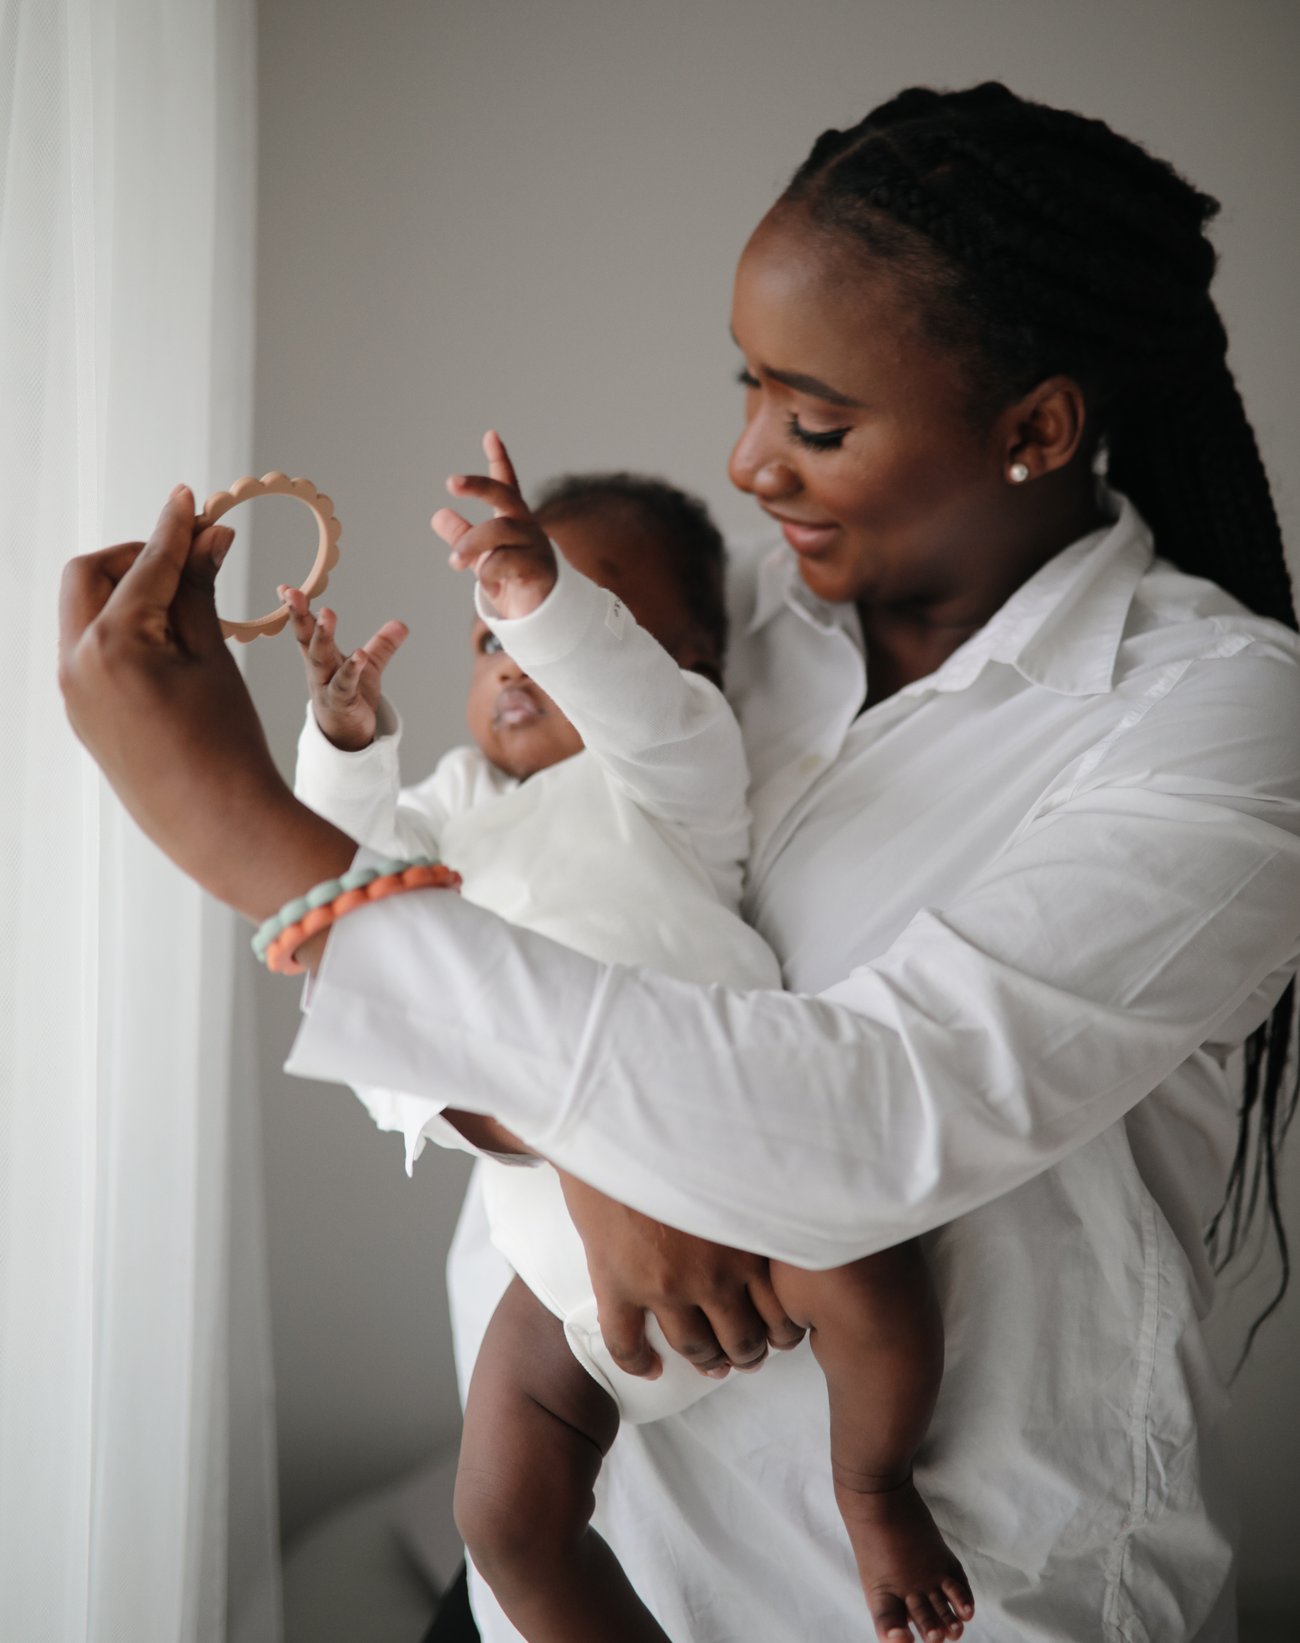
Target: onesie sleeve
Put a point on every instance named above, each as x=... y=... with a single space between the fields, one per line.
x=1153 y=910
x=666 y=737
x=362 y=794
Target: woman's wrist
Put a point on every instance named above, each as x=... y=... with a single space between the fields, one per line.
x=285 y=851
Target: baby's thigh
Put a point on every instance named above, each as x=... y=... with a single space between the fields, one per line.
x=875 y=1289
x=537 y=1428
x=526 y=1364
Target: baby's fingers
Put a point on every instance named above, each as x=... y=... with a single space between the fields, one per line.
x=301 y=619
x=450 y=526
x=323 y=654
x=383 y=646
x=343 y=688
x=504 y=500
x=499 y=464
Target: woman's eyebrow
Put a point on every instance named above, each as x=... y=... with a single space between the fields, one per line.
x=813 y=386
x=808 y=385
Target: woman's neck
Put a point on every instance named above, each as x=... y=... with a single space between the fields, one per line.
x=906 y=642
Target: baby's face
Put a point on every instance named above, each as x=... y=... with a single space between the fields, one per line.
x=517 y=726
x=515 y=723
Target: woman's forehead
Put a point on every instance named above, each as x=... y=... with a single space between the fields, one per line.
x=808 y=302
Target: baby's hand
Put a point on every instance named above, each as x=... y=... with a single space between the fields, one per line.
x=510 y=553
x=344 y=689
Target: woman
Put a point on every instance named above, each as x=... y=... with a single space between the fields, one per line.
x=1026 y=813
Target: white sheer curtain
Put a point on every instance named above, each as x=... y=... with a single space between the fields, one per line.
x=136 y=1488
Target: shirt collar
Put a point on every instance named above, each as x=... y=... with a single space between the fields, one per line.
x=1061 y=629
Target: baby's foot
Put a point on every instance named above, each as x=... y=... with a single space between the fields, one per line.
x=907 y=1571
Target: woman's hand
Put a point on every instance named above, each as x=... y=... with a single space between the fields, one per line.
x=152 y=691
x=345 y=690
x=716 y=1305
x=510 y=554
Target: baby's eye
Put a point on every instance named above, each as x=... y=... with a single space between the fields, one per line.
x=489 y=644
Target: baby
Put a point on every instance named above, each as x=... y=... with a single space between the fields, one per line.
x=603 y=803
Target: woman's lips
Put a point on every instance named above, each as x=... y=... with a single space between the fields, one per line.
x=516 y=705
x=806 y=539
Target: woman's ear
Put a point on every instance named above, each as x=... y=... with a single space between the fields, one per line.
x=1044 y=430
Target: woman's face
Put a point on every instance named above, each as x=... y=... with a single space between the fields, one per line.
x=857 y=438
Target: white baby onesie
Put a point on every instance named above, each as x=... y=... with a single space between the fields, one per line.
x=631 y=851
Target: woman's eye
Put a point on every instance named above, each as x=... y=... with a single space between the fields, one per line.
x=830 y=440
x=810 y=438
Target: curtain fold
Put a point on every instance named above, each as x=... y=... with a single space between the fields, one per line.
x=131 y=1280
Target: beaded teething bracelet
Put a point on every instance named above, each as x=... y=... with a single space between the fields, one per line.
x=298 y=920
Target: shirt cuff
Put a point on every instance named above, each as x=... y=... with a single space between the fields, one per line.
x=404 y=1000
x=559 y=624
x=324 y=768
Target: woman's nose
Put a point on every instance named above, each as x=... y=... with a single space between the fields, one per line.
x=756 y=468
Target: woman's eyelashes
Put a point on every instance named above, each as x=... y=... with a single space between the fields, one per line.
x=812 y=439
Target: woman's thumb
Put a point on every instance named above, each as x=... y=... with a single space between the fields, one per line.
x=194 y=609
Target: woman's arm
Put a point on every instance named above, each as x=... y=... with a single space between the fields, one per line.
x=152 y=691
x=1115 y=935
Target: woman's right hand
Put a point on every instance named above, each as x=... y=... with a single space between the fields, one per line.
x=345 y=690
x=715 y=1305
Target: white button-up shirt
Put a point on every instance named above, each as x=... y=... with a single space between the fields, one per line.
x=1025 y=909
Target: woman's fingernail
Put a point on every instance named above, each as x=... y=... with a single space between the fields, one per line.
x=178 y=490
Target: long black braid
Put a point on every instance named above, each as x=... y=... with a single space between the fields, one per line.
x=1038 y=242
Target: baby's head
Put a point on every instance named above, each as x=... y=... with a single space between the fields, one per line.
x=647 y=542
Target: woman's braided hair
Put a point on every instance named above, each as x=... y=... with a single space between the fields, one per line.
x=1038 y=243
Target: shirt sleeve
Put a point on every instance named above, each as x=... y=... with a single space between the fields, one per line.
x=1126 y=924
x=666 y=737
x=362 y=793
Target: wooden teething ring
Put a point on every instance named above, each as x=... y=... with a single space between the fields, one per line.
x=327 y=551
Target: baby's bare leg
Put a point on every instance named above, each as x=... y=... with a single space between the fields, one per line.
x=537 y=1428
x=877 y=1333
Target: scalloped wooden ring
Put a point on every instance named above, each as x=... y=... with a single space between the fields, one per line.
x=327 y=550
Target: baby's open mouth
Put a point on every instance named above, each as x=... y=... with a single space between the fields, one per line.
x=516 y=705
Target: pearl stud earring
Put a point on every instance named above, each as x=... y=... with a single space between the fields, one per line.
x=1018 y=473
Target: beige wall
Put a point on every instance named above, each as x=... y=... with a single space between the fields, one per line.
x=527 y=215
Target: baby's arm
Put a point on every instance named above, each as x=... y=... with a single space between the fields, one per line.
x=665 y=736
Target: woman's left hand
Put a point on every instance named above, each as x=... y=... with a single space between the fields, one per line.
x=152 y=691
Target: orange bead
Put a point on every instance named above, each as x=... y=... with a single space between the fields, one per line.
x=380 y=888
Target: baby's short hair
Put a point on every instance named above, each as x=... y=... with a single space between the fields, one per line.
x=692 y=543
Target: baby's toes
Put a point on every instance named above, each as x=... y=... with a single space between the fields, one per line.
x=959 y=1596
x=947 y=1615
x=926 y=1621
x=890 y=1615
